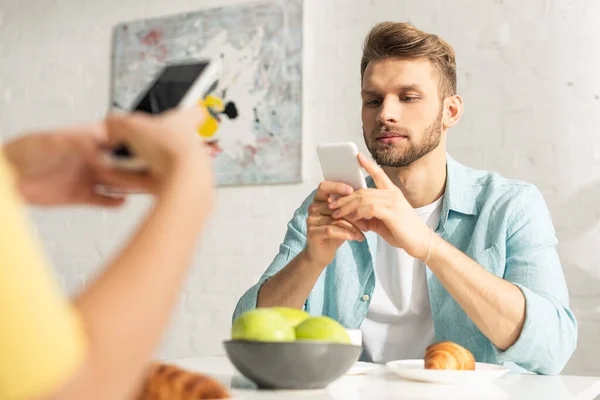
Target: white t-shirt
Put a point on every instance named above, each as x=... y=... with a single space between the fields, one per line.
x=398 y=324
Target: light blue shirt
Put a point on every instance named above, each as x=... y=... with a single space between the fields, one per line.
x=504 y=225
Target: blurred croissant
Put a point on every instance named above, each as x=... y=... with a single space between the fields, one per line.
x=168 y=382
x=448 y=355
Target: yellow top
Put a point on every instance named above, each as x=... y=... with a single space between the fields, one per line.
x=42 y=340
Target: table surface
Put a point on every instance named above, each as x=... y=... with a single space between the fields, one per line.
x=384 y=384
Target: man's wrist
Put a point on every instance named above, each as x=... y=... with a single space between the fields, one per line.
x=424 y=248
x=310 y=261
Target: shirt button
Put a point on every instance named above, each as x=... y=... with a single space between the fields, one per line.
x=365 y=297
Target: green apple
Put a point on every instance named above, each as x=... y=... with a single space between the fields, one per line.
x=263 y=325
x=294 y=316
x=322 y=328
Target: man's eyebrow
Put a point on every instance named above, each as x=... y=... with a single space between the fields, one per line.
x=401 y=88
x=368 y=92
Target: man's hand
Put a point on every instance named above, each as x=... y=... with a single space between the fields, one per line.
x=326 y=234
x=291 y=286
x=64 y=167
x=385 y=211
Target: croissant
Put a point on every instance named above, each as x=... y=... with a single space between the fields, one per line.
x=168 y=382
x=448 y=355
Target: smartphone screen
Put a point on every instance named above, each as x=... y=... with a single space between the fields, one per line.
x=170 y=87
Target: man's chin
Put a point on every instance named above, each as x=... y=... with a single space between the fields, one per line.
x=390 y=160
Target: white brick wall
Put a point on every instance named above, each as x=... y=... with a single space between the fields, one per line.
x=528 y=73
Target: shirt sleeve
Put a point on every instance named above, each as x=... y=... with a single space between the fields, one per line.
x=549 y=335
x=42 y=341
x=293 y=243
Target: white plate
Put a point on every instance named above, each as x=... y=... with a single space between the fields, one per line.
x=362 y=367
x=415 y=370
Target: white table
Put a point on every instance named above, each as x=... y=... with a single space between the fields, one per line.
x=383 y=384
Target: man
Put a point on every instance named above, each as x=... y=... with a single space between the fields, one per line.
x=432 y=250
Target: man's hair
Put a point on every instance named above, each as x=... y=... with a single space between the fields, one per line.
x=403 y=40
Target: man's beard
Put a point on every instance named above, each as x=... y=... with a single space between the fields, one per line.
x=388 y=155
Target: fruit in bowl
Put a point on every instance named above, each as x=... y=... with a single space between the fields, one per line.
x=279 y=348
x=285 y=324
x=262 y=325
x=293 y=316
x=322 y=328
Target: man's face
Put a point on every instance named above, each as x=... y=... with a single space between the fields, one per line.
x=401 y=110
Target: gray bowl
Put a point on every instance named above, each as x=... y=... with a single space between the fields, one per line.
x=292 y=365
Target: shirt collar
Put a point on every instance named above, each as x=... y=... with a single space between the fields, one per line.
x=460 y=195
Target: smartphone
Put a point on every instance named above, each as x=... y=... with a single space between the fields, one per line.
x=339 y=163
x=181 y=85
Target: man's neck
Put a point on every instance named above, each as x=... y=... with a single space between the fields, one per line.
x=424 y=181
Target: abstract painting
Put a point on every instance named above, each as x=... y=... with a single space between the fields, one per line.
x=260 y=90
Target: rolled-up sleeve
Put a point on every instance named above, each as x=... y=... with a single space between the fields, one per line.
x=549 y=335
x=293 y=243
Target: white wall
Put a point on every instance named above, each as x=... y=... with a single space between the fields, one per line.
x=528 y=72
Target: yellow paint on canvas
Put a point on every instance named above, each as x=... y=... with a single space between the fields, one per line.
x=210 y=127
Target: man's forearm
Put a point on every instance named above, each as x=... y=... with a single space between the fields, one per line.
x=496 y=306
x=291 y=286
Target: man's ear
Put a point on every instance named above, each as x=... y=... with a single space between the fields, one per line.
x=453 y=110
